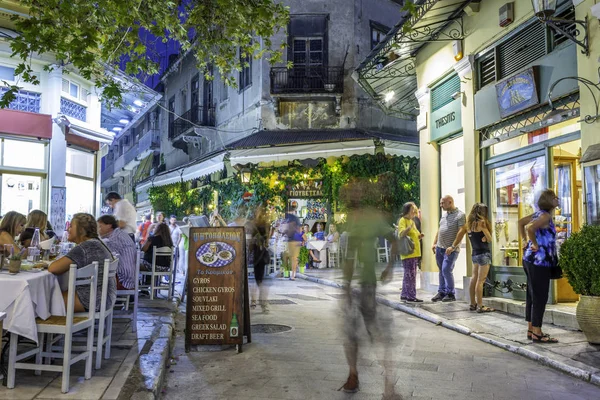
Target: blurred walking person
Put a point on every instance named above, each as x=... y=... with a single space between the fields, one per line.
x=479 y=228
x=364 y=226
x=410 y=262
x=539 y=258
x=258 y=229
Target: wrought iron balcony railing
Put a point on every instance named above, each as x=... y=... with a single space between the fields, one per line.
x=307 y=80
x=197 y=115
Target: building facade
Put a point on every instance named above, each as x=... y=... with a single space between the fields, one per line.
x=503 y=113
x=210 y=131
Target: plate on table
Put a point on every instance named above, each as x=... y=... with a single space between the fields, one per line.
x=215 y=254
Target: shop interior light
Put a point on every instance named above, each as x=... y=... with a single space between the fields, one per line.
x=138 y=103
x=123 y=121
x=117 y=129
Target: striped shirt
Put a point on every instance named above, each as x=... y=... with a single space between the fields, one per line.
x=121 y=245
x=450 y=224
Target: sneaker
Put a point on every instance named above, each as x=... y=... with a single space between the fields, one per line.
x=351 y=385
x=438 y=297
x=449 y=297
x=415 y=300
x=403 y=298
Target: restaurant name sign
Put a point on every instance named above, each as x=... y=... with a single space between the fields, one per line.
x=517 y=93
x=306 y=189
x=216 y=283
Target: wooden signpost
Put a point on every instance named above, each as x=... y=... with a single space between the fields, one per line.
x=218 y=311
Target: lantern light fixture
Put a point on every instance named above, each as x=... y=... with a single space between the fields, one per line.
x=575 y=30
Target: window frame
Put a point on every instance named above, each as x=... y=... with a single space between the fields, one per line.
x=245 y=74
x=376 y=27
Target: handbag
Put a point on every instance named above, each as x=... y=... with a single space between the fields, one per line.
x=407 y=246
x=556 y=270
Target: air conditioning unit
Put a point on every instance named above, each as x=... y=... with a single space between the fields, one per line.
x=506 y=14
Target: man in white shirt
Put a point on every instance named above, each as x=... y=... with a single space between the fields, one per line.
x=124 y=212
x=175 y=237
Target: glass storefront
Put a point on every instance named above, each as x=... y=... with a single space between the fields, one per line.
x=514 y=185
x=23 y=182
x=81 y=188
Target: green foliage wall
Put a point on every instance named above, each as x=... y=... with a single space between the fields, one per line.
x=397 y=175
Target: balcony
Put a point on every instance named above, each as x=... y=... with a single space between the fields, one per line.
x=108 y=172
x=307 y=80
x=130 y=158
x=149 y=142
x=198 y=115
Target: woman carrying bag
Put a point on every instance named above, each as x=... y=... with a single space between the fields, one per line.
x=540 y=262
x=407 y=233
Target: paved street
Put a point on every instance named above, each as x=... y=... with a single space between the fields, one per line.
x=307 y=362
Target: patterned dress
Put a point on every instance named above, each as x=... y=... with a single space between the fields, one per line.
x=546 y=240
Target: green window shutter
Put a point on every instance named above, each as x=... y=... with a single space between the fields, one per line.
x=442 y=93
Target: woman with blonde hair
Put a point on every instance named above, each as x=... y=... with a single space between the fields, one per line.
x=11 y=226
x=84 y=232
x=479 y=228
x=38 y=219
x=410 y=262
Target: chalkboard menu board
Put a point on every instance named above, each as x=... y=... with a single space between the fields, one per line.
x=216 y=286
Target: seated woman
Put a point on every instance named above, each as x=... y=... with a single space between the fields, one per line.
x=119 y=242
x=306 y=237
x=11 y=226
x=161 y=237
x=83 y=231
x=319 y=234
x=333 y=238
x=38 y=219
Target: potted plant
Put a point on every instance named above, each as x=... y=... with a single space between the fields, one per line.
x=303 y=258
x=579 y=256
x=286 y=268
x=14 y=264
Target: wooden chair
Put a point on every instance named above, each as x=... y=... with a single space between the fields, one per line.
x=124 y=295
x=334 y=260
x=156 y=275
x=64 y=326
x=105 y=315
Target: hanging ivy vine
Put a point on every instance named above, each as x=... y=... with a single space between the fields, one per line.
x=398 y=176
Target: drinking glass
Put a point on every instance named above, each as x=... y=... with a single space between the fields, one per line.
x=32 y=254
x=54 y=250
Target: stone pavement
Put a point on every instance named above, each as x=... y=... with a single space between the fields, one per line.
x=573 y=355
x=307 y=362
x=134 y=369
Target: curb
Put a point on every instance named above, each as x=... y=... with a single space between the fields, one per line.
x=576 y=372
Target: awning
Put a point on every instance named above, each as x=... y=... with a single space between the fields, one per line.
x=143 y=170
x=26 y=124
x=186 y=173
x=85 y=130
x=388 y=74
x=302 y=152
x=401 y=149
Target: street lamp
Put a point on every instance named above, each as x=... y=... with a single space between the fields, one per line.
x=545 y=9
x=245 y=176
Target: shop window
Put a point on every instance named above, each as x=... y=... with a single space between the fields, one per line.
x=79 y=182
x=80 y=163
x=21 y=193
x=15 y=151
x=513 y=190
x=441 y=95
x=195 y=91
x=592 y=193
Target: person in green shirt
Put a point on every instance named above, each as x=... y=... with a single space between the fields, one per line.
x=365 y=225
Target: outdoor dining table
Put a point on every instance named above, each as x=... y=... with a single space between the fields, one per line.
x=319 y=245
x=26 y=296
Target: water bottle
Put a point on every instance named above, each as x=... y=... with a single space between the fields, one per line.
x=35 y=243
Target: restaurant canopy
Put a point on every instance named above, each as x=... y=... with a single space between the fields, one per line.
x=388 y=74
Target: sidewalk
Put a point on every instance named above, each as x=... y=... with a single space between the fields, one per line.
x=573 y=355
x=135 y=369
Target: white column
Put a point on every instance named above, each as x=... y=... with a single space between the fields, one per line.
x=58 y=145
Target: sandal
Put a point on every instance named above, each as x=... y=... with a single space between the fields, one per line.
x=253 y=304
x=529 y=334
x=543 y=338
x=472 y=307
x=484 y=309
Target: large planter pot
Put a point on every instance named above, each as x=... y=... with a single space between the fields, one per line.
x=301 y=269
x=286 y=274
x=588 y=317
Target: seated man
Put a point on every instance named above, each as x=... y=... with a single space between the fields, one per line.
x=121 y=245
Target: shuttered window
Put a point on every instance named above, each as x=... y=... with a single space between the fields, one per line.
x=442 y=93
x=519 y=50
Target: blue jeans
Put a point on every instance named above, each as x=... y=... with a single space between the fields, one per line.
x=446 y=265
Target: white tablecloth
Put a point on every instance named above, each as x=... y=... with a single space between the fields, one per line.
x=28 y=295
x=321 y=251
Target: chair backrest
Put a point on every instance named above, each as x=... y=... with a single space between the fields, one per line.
x=138 y=260
x=109 y=272
x=164 y=251
x=87 y=275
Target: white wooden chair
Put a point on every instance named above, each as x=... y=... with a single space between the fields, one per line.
x=105 y=315
x=66 y=326
x=334 y=260
x=124 y=295
x=156 y=275
x=383 y=253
